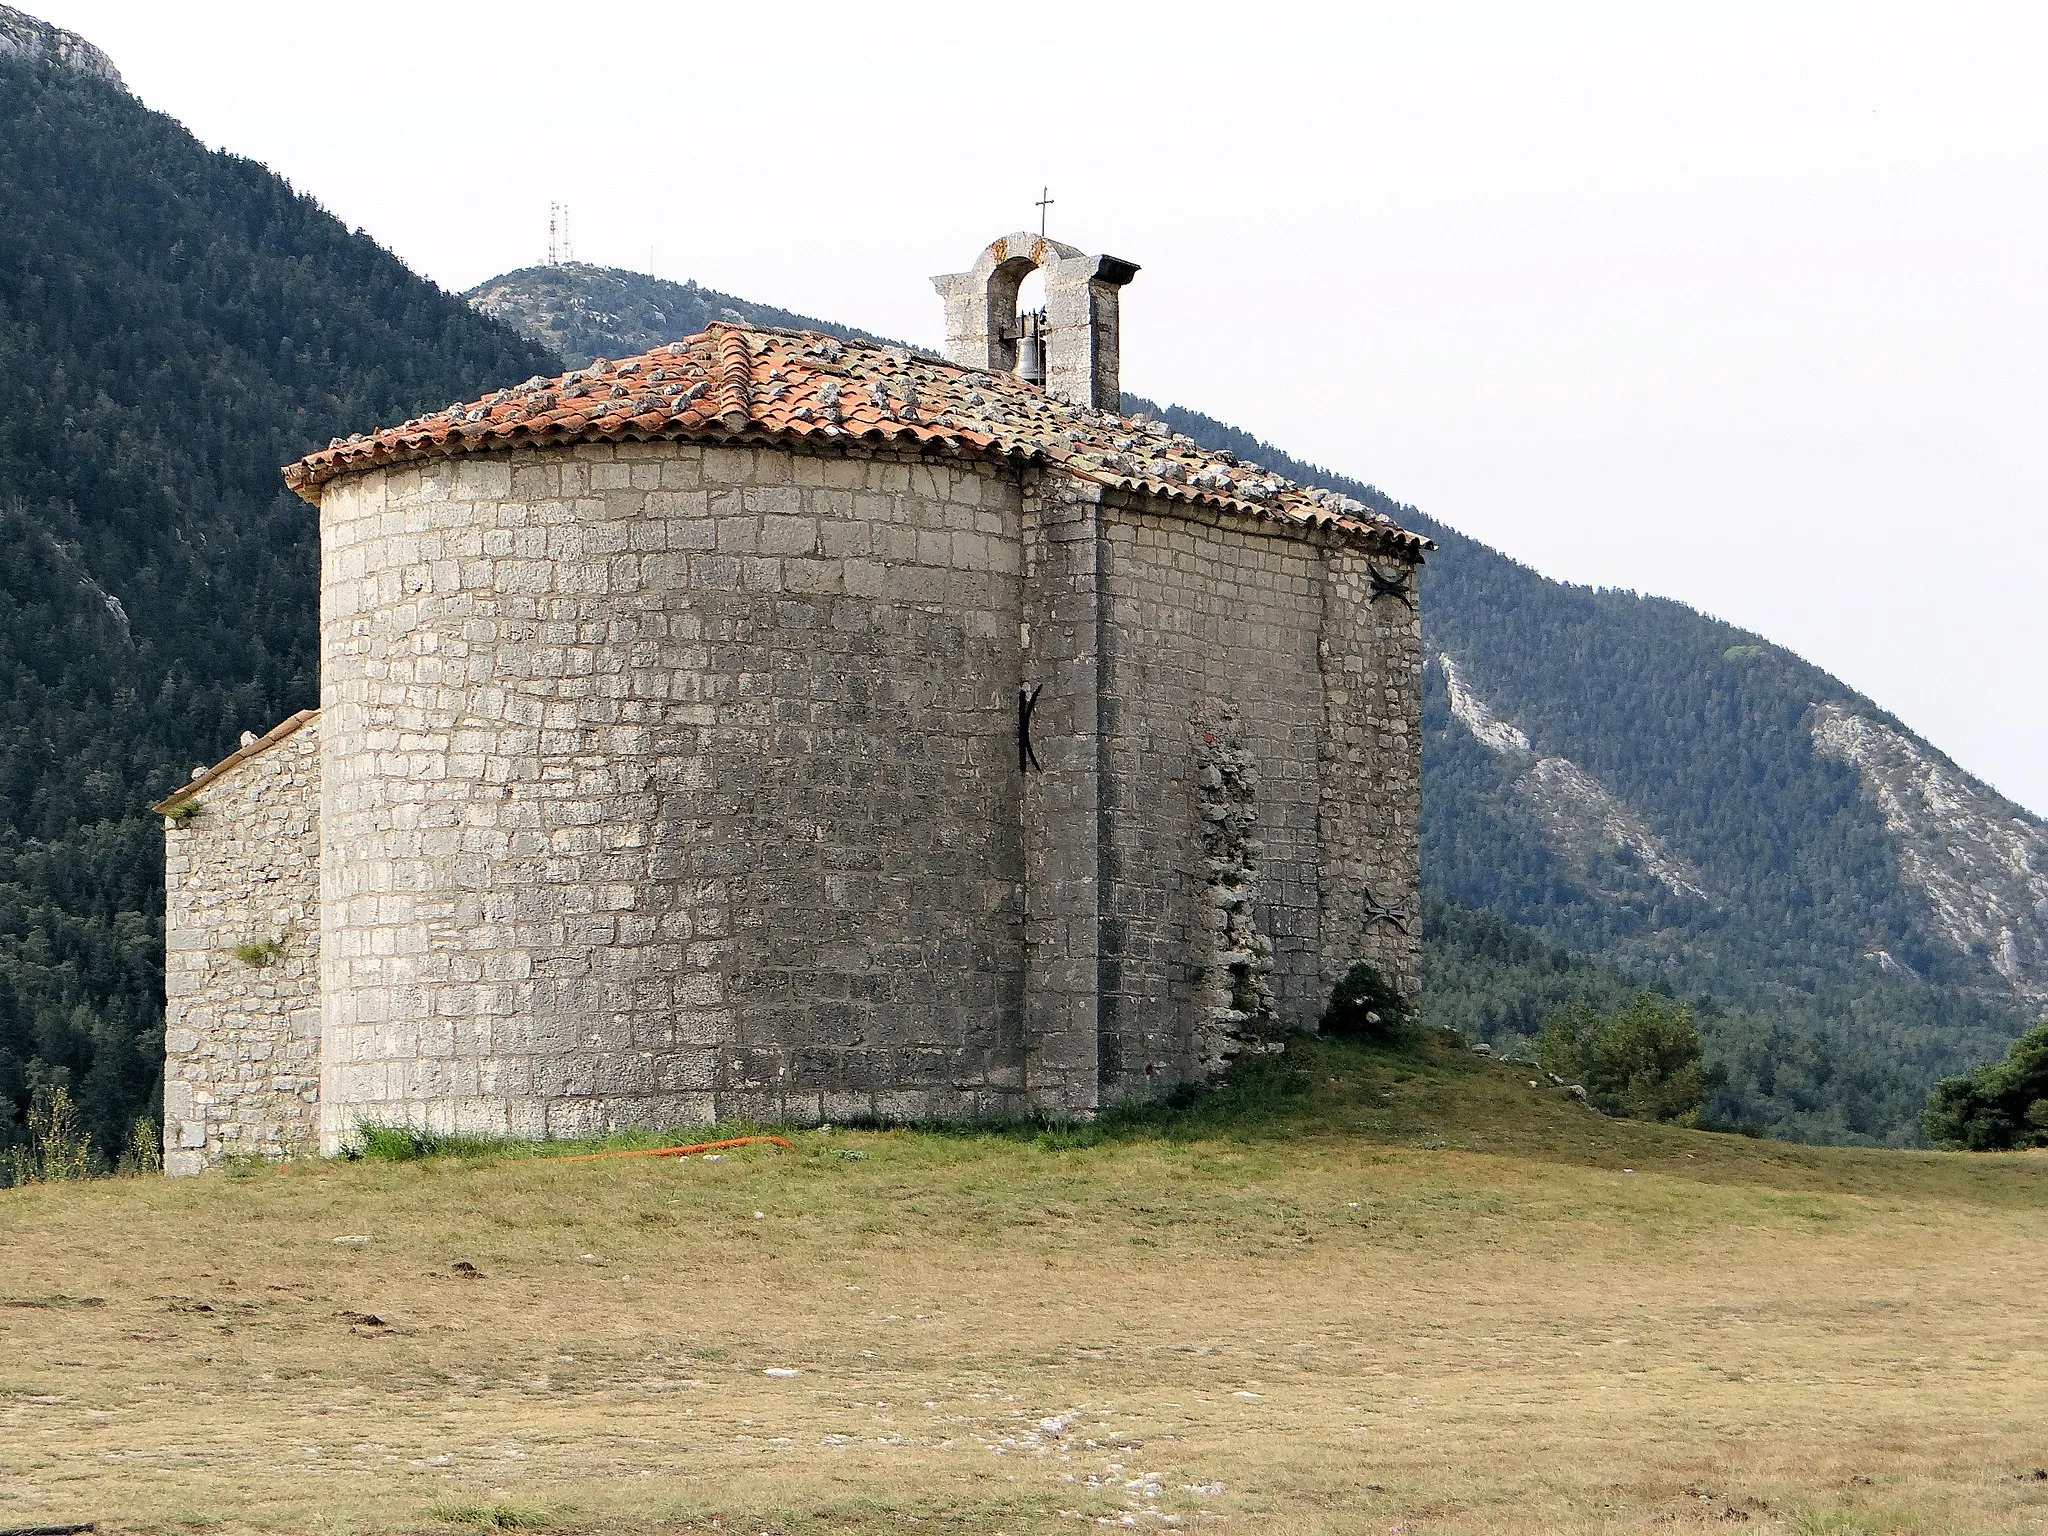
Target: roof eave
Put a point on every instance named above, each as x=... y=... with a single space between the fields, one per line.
x=308 y=476
x=726 y=402
x=186 y=792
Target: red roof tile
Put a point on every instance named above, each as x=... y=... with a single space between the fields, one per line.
x=743 y=383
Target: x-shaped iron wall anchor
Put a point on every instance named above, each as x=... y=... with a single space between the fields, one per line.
x=1377 y=911
x=1390 y=586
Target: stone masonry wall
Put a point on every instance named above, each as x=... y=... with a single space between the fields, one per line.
x=1146 y=626
x=668 y=782
x=1061 y=806
x=1207 y=615
x=1371 y=658
x=242 y=1034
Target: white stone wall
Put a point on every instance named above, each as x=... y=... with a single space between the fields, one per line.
x=669 y=782
x=1061 y=805
x=242 y=1034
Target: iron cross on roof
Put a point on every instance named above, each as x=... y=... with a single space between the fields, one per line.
x=1045 y=201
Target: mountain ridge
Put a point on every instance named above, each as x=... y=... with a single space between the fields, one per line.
x=582 y=310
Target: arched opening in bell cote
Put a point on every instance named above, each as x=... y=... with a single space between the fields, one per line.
x=1016 y=302
x=1029 y=325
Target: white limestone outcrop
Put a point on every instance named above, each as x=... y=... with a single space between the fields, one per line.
x=1579 y=816
x=24 y=36
x=1980 y=860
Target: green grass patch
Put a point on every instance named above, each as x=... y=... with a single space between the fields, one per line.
x=501 y=1516
x=404 y=1144
x=1262 y=1096
x=400 y=1144
x=1423 y=1091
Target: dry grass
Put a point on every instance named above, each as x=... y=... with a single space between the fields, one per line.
x=1384 y=1291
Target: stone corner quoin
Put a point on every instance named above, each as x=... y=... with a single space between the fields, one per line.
x=663 y=781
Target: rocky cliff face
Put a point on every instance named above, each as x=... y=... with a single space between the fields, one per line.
x=1980 y=860
x=23 y=36
x=1579 y=817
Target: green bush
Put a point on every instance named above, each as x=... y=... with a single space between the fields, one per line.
x=145 y=1152
x=1998 y=1107
x=56 y=1149
x=1641 y=1061
x=1365 y=1006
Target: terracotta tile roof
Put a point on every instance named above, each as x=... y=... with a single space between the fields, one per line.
x=235 y=759
x=736 y=383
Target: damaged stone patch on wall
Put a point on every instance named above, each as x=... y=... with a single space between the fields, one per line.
x=1199 y=610
x=242 y=955
x=1237 y=982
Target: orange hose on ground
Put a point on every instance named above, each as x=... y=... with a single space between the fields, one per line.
x=702 y=1146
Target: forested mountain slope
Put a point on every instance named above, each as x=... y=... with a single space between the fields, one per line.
x=174 y=325
x=1637 y=782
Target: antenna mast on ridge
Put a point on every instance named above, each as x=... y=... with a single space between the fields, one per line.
x=554 y=251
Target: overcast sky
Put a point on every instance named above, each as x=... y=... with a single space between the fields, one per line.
x=1742 y=305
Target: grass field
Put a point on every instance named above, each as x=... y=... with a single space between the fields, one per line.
x=1391 y=1291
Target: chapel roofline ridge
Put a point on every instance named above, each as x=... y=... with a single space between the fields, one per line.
x=859 y=337
x=739 y=383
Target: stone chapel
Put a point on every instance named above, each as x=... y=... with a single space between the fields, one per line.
x=784 y=728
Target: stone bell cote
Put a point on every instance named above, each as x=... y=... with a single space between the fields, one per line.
x=1069 y=347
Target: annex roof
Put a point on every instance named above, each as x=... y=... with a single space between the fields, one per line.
x=206 y=778
x=737 y=383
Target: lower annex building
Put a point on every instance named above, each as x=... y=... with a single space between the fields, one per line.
x=777 y=727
